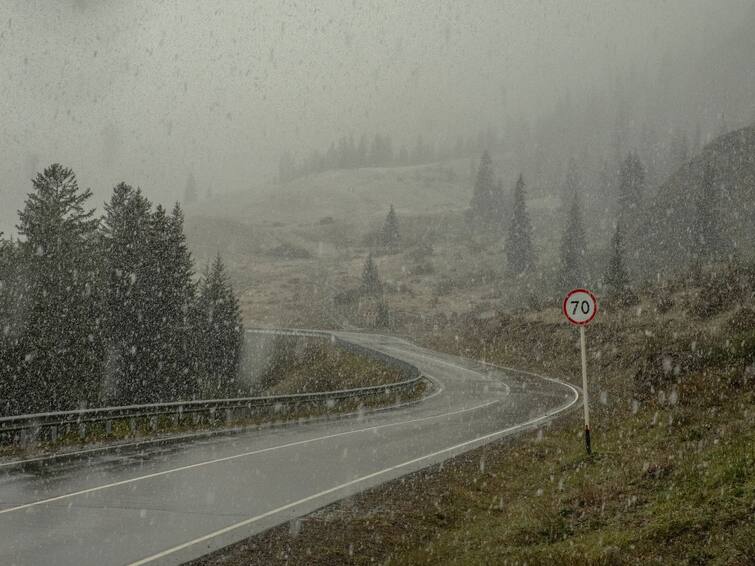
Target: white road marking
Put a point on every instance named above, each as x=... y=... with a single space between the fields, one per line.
x=309 y=498
x=242 y=455
x=453 y=365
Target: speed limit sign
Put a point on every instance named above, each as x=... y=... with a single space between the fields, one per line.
x=580 y=307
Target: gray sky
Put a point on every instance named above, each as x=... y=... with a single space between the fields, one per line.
x=146 y=91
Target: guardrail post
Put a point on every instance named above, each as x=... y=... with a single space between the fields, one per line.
x=228 y=416
x=54 y=433
x=108 y=427
x=132 y=425
x=82 y=430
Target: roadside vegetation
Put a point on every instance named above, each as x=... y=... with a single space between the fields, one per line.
x=672 y=478
x=303 y=365
x=298 y=365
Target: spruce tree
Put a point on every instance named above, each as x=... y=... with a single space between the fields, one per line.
x=487 y=197
x=572 y=183
x=390 y=237
x=616 y=278
x=371 y=284
x=573 y=249
x=483 y=187
x=13 y=305
x=61 y=342
x=218 y=335
x=176 y=297
x=128 y=266
x=631 y=189
x=519 y=252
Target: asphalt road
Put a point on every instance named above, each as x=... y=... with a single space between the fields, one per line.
x=167 y=504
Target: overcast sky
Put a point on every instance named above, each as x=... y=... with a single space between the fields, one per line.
x=148 y=91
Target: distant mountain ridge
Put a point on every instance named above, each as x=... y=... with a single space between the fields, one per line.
x=665 y=241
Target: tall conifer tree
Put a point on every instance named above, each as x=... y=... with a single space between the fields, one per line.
x=519 y=253
x=573 y=248
x=62 y=338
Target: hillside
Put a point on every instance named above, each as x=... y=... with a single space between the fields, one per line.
x=356 y=194
x=666 y=240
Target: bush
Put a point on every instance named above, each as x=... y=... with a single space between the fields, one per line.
x=718 y=294
x=662 y=361
x=664 y=301
x=660 y=369
x=742 y=320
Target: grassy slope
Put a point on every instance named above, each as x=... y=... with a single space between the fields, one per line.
x=357 y=194
x=672 y=481
x=306 y=366
x=298 y=291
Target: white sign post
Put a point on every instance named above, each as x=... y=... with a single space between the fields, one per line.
x=580 y=307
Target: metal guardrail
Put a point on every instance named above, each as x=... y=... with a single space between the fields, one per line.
x=39 y=426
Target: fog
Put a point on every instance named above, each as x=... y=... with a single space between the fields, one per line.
x=149 y=92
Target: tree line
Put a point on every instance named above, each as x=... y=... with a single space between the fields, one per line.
x=487 y=209
x=108 y=310
x=379 y=151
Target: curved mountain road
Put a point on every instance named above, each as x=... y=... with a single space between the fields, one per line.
x=170 y=503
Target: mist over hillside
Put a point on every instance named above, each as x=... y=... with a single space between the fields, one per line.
x=673 y=237
x=152 y=93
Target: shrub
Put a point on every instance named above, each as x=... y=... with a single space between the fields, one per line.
x=742 y=320
x=664 y=301
x=717 y=294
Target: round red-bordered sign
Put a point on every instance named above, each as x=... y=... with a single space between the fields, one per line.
x=580 y=306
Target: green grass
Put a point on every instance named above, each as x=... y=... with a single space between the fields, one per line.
x=671 y=480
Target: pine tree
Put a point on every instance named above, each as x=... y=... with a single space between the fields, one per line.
x=631 y=189
x=61 y=342
x=13 y=305
x=487 y=196
x=616 y=278
x=218 y=335
x=390 y=237
x=127 y=230
x=572 y=183
x=371 y=284
x=519 y=252
x=176 y=294
x=573 y=249
x=190 y=192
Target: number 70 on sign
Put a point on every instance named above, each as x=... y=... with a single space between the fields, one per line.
x=580 y=307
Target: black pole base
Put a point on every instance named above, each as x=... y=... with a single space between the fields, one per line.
x=587 y=441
